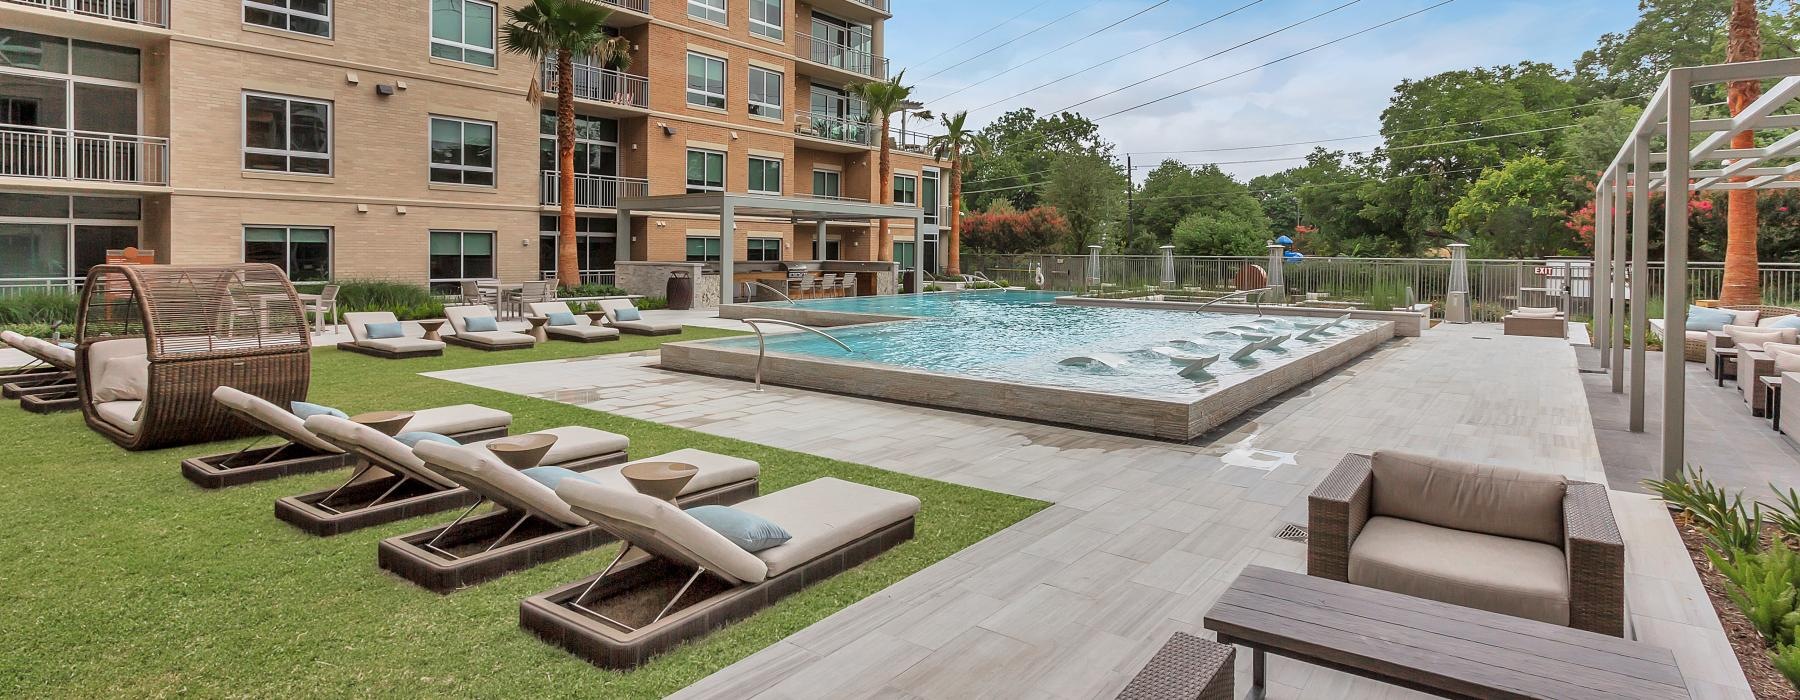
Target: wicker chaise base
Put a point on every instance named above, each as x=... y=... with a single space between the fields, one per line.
x=50 y=403
x=18 y=384
x=534 y=542
x=350 y=509
x=636 y=331
x=388 y=354
x=274 y=462
x=640 y=584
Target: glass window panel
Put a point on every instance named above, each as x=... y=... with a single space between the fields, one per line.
x=446 y=51
x=478 y=25
x=478 y=244
x=309 y=166
x=121 y=208
x=309 y=260
x=34 y=250
x=478 y=145
x=446 y=20
x=273 y=253
x=33 y=101
x=106 y=109
x=265 y=234
x=446 y=243
x=317 y=7
x=37 y=206
x=92 y=242
x=265 y=122
x=310 y=127
x=34 y=51
x=106 y=61
x=309 y=235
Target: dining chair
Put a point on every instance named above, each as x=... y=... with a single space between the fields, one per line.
x=325 y=305
x=849 y=284
x=828 y=283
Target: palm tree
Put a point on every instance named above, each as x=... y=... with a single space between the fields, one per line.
x=1742 y=283
x=884 y=99
x=956 y=145
x=561 y=28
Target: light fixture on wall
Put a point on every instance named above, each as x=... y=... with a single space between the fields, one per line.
x=667 y=130
x=384 y=90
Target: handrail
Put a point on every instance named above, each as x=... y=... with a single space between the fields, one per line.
x=779 y=293
x=1242 y=293
x=762 y=346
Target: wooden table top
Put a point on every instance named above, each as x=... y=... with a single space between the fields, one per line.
x=1435 y=647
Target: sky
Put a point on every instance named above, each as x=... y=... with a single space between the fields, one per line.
x=1335 y=91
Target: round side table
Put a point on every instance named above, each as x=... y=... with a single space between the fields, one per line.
x=522 y=451
x=660 y=480
x=537 y=328
x=431 y=328
x=388 y=423
x=597 y=318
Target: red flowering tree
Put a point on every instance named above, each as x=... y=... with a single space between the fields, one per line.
x=1034 y=230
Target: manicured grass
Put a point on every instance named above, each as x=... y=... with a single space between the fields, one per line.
x=123 y=580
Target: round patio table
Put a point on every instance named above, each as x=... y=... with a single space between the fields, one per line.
x=522 y=451
x=431 y=328
x=387 y=423
x=661 y=480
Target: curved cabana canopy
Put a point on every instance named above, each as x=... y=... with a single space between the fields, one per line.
x=156 y=340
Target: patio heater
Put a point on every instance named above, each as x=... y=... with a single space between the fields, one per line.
x=1168 y=260
x=1093 y=267
x=1277 y=284
x=1456 y=302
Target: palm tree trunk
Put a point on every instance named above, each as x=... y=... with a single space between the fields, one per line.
x=568 y=270
x=885 y=174
x=955 y=244
x=1742 y=284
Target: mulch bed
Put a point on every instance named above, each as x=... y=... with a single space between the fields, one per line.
x=1765 y=681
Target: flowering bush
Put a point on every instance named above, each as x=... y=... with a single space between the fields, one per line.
x=1033 y=230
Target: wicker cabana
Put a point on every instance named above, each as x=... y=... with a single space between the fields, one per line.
x=156 y=340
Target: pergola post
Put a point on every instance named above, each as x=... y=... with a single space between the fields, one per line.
x=727 y=254
x=819 y=242
x=621 y=238
x=1618 y=280
x=1640 y=275
x=1675 y=293
x=918 y=272
x=1601 y=281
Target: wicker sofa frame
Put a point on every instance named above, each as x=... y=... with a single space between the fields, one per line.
x=1185 y=668
x=202 y=326
x=1592 y=545
x=1694 y=350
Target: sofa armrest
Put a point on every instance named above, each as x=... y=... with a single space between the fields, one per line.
x=1595 y=552
x=1335 y=514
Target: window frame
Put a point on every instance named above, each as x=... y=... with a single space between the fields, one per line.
x=832 y=176
x=754 y=253
x=913 y=200
x=771 y=30
x=289 y=13
x=287 y=247
x=706 y=98
x=770 y=110
x=463 y=169
x=752 y=165
x=715 y=243
x=244 y=148
x=696 y=189
x=706 y=11
x=462 y=43
x=462 y=255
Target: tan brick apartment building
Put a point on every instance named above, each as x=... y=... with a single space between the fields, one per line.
x=396 y=140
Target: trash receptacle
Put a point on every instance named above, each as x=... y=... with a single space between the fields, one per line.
x=680 y=292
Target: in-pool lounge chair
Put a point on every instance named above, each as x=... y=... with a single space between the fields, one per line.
x=1541 y=322
x=47 y=383
x=461 y=316
x=578 y=328
x=394 y=484
x=304 y=452
x=531 y=525
x=614 y=307
x=676 y=579
x=390 y=346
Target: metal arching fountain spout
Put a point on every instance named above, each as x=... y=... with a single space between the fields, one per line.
x=762 y=344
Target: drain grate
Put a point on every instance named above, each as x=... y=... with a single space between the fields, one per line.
x=1291 y=533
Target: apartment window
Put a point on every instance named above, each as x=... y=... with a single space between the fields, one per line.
x=705 y=171
x=463 y=30
x=906 y=190
x=303 y=252
x=301 y=16
x=460 y=255
x=903 y=254
x=462 y=151
x=54 y=237
x=287 y=134
x=705 y=81
x=763 y=250
x=704 y=248
x=928 y=190
x=765 y=175
x=709 y=10
x=765 y=18
x=826 y=182
x=765 y=93
x=596 y=247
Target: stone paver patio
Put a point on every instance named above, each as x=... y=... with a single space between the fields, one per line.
x=1142 y=535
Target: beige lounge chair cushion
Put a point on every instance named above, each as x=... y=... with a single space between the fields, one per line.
x=1498 y=574
x=401 y=344
x=657 y=526
x=479 y=470
x=1537 y=312
x=122 y=379
x=359 y=321
x=496 y=338
x=45 y=351
x=459 y=418
x=612 y=306
x=575 y=442
x=122 y=414
x=271 y=418
x=582 y=331
x=384 y=452
x=1479 y=498
x=1751 y=337
x=823 y=515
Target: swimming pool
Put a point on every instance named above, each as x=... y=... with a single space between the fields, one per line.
x=1020 y=353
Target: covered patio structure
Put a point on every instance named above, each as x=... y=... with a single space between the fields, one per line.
x=799 y=210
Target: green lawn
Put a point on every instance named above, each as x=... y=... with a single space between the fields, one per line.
x=121 y=579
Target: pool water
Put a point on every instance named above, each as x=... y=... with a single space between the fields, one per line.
x=1024 y=337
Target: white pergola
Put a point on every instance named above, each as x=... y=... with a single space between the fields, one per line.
x=1705 y=161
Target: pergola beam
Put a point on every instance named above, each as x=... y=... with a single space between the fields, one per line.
x=1749 y=119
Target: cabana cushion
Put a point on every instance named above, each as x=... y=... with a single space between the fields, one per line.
x=1704 y=319
x=561 y=318
x=124 y=378
x=747 y=530
x=382 y=331
x=1497 y=501
x=823 y=515
x=122 y=414
x=413 y=438
x=306 y=410
x=481 y=324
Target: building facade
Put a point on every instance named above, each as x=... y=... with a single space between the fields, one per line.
x=398 y=140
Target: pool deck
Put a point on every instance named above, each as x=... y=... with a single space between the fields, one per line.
x=1141 y=535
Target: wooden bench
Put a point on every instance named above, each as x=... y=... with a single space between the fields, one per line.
x=1431 y=647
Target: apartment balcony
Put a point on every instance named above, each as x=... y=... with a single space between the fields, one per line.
x=606 y=87
x=593 y=191
x=824 y=57
x=870 y=11
x=149 y=13
x=831 y=133
x=63 y=154
x=628 y=13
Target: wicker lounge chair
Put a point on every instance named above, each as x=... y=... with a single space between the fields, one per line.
x=482 y=340
x=394 y=484
x=531 y=525
x=47 y=383
x=388 y=348
x=1508 y=541
x=584 y=330
x=1695 y=344
x=1537 y=322
x=677 y=579
x=303 y=452
x=156 y=340
x=638 y=327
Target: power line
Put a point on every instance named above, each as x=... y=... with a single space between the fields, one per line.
x=1073 y=42
x=983 y=33
x=1008 y=42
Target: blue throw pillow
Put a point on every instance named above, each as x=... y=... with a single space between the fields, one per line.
x=626 y=313
x=413 y=438
x=1789 y=321
x=747 y=530
x=378 y=331
x=551 y=476
x=307 y=410
x=477 y=324
x=1703 y=319
x=561 y=318
x=66 y=345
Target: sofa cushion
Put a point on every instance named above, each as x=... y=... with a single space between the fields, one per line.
x=1744 y=317
x=1753 y=337
x=378 y=331
x=1491 y=500
x=1788 y=321
x=1700 y=318
x=1537 y=312
x=124 y=415
x=123 y=379
x=481 y=324
x=1497 y=574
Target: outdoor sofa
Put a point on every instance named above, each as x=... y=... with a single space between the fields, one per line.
x=1742 y=338
x=579 y=328
x=1541 y=322
x=1510 y=541
x=1694 y=343
x=1769 y=360
x=398 y=348
x=461 y=316
x=612 y=307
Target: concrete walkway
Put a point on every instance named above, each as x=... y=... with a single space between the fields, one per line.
x=1142 y=535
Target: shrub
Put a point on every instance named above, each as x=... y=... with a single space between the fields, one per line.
x=44 y=306
x=1785 y=513
x=592 y=290
x=1036 y=229
x=651 y=303
x=933 y=288
x=1721 y=518
x=1787 y=660
x=38 y=330
x=1763 y=586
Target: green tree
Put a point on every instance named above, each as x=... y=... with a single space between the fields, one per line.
x=1090 y=192
x=956 y=145
x=1234 y=226
x=1668 y=34
x=1173 y=191
x=1023 y=148
x=1589 y=146
x=1520 y=210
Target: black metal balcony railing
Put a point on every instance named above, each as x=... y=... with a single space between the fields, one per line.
x=154 y=13
x=827 y=52
x=603 y=85
x=832 y=128
x=63 y=154
x=595 y=191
